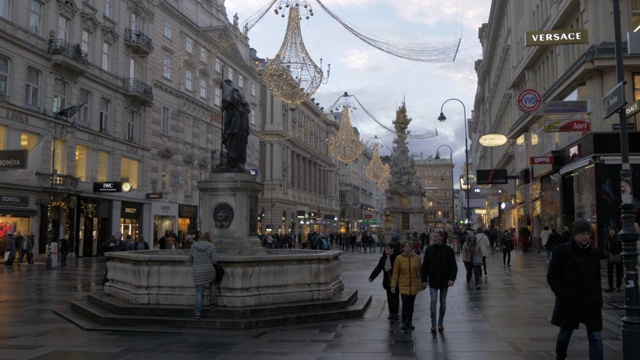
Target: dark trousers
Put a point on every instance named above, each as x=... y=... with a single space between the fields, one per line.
x=618 y=268
x=407 y=307
x=506 y=257
x=29 y=256
x=394 y=301
x=473 y=269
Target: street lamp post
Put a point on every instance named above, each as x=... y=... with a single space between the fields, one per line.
x=452 y=197
x=466 y=153
x=628 y=235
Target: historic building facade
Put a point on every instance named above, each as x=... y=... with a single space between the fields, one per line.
x=555 y=175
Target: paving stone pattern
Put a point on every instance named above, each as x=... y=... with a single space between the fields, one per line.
x=507 y=319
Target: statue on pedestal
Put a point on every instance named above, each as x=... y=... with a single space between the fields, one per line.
x=235 y=128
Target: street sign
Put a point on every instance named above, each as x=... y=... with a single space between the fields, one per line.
x=529 y=100
x=614 y=100
x=632 y=109
x=630 y=126
x=13 y=159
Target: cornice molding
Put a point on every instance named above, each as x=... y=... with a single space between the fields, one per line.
x=68 y=8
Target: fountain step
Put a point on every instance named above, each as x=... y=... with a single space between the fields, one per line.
x=101 y=312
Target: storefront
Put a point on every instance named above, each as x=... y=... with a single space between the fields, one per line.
x=187 y=218
x=93 y=225
x=130 y=219
x=15 y=215
x=164 y=218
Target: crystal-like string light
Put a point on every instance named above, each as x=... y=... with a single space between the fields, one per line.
x=345 y=146
x=376 y=170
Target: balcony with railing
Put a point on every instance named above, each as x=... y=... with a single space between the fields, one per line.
x=138 y=91
x=138 y=42
x=57 y=182
x=67 y=57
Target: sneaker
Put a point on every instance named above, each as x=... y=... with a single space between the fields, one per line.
x=440 y=327
x=433 y=329
x=410 y=325
x=404 y=327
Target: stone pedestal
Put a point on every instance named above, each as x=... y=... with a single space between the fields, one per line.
x=229 y=204
x=407 y=203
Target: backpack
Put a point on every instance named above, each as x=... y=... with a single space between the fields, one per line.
x=219 y=273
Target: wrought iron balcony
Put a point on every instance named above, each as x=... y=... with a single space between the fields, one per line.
x=59 y=182
x=138 y=42
x=67 y=57
x=138 y=91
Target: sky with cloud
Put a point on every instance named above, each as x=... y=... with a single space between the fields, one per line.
x=381 y=82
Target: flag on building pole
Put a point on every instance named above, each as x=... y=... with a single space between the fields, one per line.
x=70 y=111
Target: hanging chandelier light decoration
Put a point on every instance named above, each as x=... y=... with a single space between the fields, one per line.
x=345 y=146
x=376 y=170
x=291 y=75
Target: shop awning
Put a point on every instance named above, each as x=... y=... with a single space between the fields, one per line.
x=18 y=212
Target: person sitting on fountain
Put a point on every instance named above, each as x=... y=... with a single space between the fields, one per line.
x=203 y=256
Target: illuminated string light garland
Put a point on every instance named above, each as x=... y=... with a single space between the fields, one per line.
x=65 y=208
x=376 y=170
x=345 y=146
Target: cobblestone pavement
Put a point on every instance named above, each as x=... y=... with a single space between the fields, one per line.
x=507 y=319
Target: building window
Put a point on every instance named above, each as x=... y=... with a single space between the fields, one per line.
x=32 y=89
x=60 y=89
x=253 y=90
x=203 y=54
x=188 y=80
x=187 y=179
x=203 y=88
x=131 y=127
x=105 y=56
x=84 y=42
x=217 y=66
x=129 y=169
x=85 y=96
x=217 y=98
x=105 y=106
x=3 y=138
x=5 y=9
x=81 y=162
x=164 y=176
x=166 y=67
x=58 y=150
x=188 y=45
x=241 y=81
x=103 y=166
x=4 y=78
x=35 y=18
x=230 y=74
x=168 y=29
x=166 y=113
x=203 y=134
x=252 y=115
x=63 y=28
x=28 y=141
x=108 y=8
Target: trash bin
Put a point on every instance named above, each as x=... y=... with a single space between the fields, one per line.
x=456 y=246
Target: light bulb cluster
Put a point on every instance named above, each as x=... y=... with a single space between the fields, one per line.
x=284 y=4
x=345 y=146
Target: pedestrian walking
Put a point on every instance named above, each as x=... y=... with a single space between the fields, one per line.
x=507 y=247
x=439 y=271
x=10 y=247
x=64 y=250
x=574 y=278
x=406 y=280
x=471 y=256
x=544 y=238
x=385 y=265
x=485 y=248
x=25 y=245
x=613 y=251
x=203 y=256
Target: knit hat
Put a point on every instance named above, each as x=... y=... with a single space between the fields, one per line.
x=580 y=226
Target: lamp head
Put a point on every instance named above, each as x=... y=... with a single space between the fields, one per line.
x=437 y=155
x=442 y=117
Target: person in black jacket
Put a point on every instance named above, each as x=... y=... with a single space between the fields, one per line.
x=385 y=265
x=574 y=277
x=439 y=271
x=612 y=249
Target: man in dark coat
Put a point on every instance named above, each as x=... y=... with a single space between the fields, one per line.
x=574 y=277
x=385 y=265
x=439 y=271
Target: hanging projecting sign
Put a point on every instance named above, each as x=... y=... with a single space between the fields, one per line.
x=529 y=100
x=491 y=140
x=563 y=107
x=541 y=160
x=566 y=125
x=556 y=37
x=13 y=159
x=495 y=176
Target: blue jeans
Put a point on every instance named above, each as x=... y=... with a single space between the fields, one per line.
x=443 y=304
x=596 y=351
x=200 y=295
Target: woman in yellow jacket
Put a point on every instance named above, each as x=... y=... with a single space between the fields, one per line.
x=406 y=276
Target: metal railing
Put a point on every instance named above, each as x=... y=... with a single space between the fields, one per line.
x=138 y=37
x=133 y=85
x=68 y=50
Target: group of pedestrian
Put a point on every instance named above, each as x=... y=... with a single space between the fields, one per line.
x=18 y=244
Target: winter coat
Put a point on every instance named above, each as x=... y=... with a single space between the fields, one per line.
x=439 y=266
x=406 y=273
x=574 y=277
x=203 y=256
x=386 y=275
x=485 y=244
x=612 y=245
x=507 y=244
x=467 y=253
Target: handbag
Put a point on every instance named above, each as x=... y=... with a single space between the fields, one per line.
x=615 y=259
x=477 y=259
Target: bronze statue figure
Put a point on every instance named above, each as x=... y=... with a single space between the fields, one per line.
x=235 y=133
